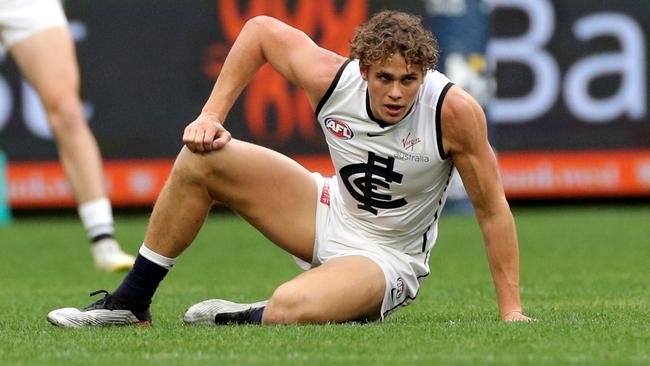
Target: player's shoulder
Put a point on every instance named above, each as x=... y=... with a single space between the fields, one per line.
x=462 y=119
x=323 y=83
x=459 y=107
x=348 y=74
x=322 y=77
x=457 y=101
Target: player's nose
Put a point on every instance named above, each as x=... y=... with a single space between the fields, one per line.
x=395 y=92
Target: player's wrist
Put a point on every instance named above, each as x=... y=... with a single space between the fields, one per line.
x=213 y=116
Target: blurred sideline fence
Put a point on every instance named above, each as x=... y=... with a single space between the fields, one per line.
x=564 y=84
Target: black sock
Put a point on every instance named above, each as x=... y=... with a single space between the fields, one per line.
x=99 y=237
x=255 y=315
x=140 y=284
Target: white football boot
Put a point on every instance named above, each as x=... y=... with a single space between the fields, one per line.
x=104 y=312
x=217 y=312
x=109 y=257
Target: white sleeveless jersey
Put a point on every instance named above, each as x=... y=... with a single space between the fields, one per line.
x=391 y=179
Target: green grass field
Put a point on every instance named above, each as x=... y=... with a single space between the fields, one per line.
x=585 y=276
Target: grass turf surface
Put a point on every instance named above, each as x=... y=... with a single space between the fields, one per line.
x=585 y=275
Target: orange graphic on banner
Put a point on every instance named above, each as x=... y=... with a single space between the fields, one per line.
x=576 y=174
x=330 y=26
x=546 y=174
x=43 y=184
x=525 y=175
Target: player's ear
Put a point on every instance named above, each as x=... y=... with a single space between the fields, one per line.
x=363 y=69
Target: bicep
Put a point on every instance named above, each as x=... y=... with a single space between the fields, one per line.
x=465 y=135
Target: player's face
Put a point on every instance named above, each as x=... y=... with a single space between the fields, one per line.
x=392 y=87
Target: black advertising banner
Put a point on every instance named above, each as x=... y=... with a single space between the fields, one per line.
x=571 y=75
x=148 y=66
x=568 y=112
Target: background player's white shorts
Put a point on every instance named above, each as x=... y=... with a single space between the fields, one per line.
x=20 y=19
x=403 y=272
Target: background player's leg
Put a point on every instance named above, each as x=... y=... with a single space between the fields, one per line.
x=47 y=60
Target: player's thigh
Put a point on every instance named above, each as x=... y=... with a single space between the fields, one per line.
x=271 y=191
x=342 y=289
x=47 y=60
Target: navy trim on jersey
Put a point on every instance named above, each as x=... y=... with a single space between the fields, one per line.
x=439 y=209
x=381 y=123
x=409 y=298
x=426 y=257
x=331 y=88
x=424 y=239
x=441 y=98
x=372 y=117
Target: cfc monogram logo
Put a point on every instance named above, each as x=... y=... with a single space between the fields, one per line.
x=362 y=181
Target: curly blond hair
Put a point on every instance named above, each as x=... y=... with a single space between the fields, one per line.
x=389 y=32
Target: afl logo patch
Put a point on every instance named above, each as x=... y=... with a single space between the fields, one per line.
x=339 y=128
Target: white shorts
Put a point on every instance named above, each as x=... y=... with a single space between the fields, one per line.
x=20 y=19
x=404 y=273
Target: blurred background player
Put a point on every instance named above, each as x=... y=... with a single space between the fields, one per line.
x=36 y=35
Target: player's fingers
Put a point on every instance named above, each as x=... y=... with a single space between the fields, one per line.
x=187 y=136
x=193 y=141
x=198 y=140
x=222 y=139
x=209 y=136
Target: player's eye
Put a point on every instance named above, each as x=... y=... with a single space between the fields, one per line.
x=409 y=80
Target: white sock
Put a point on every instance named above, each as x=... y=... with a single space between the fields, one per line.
x=160 y=260
x=97 y=217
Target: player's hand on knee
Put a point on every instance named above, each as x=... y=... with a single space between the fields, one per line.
x=516 y=316
x=205 y=134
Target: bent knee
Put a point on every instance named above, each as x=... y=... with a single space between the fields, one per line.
x=202 y=168
x=190 y=167
x=65 y=115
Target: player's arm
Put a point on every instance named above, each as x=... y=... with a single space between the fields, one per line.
x=262 y=40
x=464 y=132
